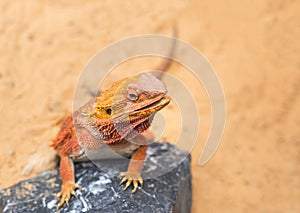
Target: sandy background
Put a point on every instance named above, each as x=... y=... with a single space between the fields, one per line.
x=253 y=45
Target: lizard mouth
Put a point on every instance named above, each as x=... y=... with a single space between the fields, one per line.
x=154 y=106
x=149 y=107
x=140 y=119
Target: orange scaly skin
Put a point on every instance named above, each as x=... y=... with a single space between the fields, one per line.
x=117 y=117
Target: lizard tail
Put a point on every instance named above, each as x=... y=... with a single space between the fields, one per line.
x=165 y=64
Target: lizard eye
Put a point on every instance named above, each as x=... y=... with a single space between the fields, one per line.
x=108 y=111
x=132 y=95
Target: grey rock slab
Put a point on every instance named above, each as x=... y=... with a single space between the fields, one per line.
x=167 y=186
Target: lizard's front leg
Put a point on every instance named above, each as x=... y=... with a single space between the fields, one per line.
x=133 y=174
x=68 y=186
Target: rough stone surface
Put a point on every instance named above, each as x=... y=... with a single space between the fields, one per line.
x=169 y=192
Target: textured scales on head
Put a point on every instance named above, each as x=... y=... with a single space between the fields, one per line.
x=147 y=82
x=126 y=109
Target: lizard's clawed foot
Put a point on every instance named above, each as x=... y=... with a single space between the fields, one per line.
x=67 y=190
x=131 y=178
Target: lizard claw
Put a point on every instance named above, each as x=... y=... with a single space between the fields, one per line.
x=123 y=180
x=66 y=191
x=131 y=178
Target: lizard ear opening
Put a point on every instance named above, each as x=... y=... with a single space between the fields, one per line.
x=108 y=111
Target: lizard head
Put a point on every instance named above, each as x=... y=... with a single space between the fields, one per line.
x=127 y=108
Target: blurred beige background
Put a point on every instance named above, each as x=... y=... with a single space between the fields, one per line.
x=253 y=45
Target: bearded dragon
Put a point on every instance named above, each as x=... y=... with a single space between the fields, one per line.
x=117 y=118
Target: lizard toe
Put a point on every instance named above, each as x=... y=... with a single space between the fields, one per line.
x=131 y=178
x=67 y=190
